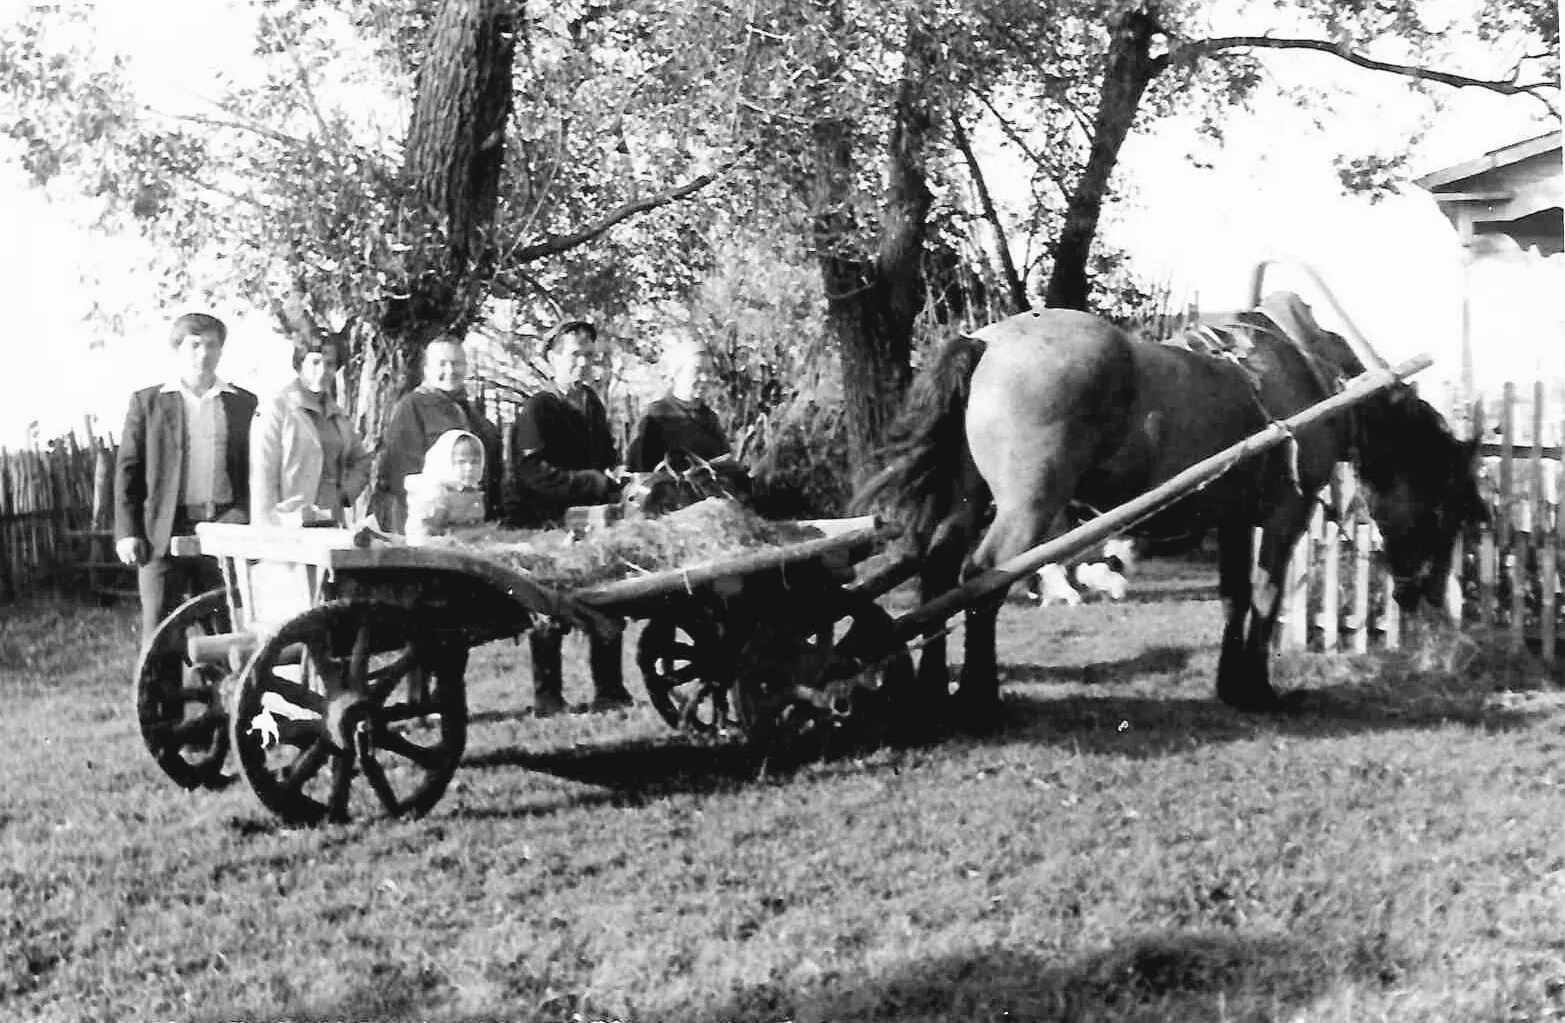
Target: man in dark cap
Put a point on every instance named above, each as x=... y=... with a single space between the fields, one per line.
x=563 y=454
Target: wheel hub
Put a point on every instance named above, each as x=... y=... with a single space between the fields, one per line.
x=346 y=715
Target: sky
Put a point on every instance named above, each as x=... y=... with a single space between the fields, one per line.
x=1270 y=193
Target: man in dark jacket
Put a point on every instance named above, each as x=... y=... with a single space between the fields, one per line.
x=563 y=454
x=184 y=458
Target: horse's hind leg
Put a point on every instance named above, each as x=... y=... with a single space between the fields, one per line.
x=937 y=574
x=1018 y=525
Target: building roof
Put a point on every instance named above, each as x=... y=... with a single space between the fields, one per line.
x=1494 y=159
x=1517 y=190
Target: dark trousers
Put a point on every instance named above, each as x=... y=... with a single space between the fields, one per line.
x=165 y=583
x=604 y=655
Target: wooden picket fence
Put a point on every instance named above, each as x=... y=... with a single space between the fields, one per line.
x=1505 y=578
x=56 y=517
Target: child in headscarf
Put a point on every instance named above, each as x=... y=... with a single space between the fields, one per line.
x=450 y=490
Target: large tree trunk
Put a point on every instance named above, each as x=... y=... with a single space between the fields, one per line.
x=872 y=302
x=453 y=158
x=1131 y=67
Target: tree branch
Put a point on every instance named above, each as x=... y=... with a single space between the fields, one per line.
x=254 y=129
x=1013 y=282
x=1010 y=131
x=563 y=243
x=1507 y=87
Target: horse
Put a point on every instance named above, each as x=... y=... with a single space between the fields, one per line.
x=1013 y=422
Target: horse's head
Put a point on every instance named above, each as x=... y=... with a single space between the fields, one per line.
x=1423 y=484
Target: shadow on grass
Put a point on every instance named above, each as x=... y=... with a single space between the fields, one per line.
x=645 y=767
x=1162 y=977
x=1139 y=726
x=1350 y=698
x=1158 y=660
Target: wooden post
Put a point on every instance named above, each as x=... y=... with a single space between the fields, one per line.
x=1548 y=578
x=1296 y=597
x=1358 y=635
x=1510 y=557
x=7 y=531
x=1330 y=583
x=1551 y=551
x=1456 y=581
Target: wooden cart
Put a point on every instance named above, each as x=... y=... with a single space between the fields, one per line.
x=332 y=663
x=346 y=658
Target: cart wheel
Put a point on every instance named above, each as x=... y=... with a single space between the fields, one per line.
x=350 y=689
x=801 y=678
x=681 y=663
x=180 y=704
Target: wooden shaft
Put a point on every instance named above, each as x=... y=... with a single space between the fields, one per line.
x=1117 y=520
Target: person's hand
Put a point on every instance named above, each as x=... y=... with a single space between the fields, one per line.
x=132 y=551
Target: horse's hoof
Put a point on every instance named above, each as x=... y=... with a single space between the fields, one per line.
x=1250 y=700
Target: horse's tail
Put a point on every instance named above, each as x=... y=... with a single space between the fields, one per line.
x=925 y=456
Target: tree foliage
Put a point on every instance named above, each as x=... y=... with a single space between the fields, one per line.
x=647 y=146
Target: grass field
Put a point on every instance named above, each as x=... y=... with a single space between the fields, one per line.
x=1121 y=848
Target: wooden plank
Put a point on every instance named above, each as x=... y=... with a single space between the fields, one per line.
x=1455 y=581
x=1297 y=593
x=1358 y=632
x=1493 y=449
x=270 y=543
x=1123 y=517
x=1505 y=523
x=1331 y=586
x=1527 y=545
x=1548 y=578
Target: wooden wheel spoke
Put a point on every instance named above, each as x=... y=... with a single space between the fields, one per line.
x=302 y=734
x=306 y=767
x=380 y=682
x=427 y=757
x=299 y=695
x=341 y=788
x=376 y=776
x=408 y=711
x=359 y=658
x=318 y=662
x=197 y=729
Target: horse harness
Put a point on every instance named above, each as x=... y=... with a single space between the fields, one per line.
x=1235 y=342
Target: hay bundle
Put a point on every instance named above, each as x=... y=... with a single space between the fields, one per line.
x=706 y=531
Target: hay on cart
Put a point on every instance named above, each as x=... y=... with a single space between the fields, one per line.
x=709 y=530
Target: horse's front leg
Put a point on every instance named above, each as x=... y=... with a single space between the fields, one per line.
x=1244 y=669
x=1251 y=591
